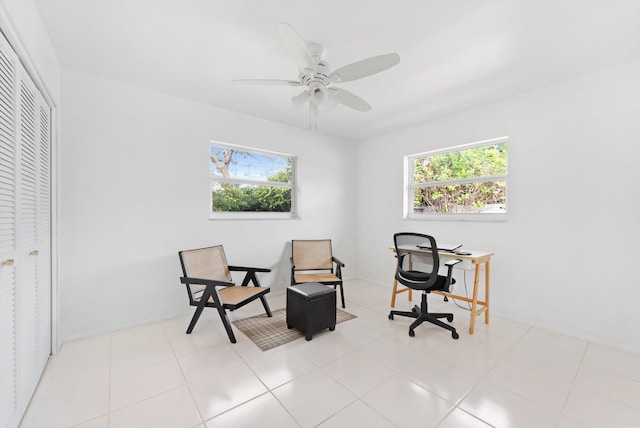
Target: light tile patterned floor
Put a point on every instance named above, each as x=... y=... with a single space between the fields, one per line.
x=366 y=373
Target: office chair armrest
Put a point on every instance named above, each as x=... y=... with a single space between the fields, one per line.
x=450 y=264
x=247 y=269
x=338 y=262
x=208 y=282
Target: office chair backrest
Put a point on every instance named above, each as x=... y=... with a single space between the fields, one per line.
x=312 y=254
x=205 y=263
x=417 y=279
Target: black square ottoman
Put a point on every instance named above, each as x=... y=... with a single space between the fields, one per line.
x=311 y=307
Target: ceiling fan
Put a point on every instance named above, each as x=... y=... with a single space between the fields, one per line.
x=315 y=73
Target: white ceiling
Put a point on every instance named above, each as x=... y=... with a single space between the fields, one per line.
x=454 y=54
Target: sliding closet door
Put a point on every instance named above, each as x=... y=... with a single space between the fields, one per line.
x=25 y=232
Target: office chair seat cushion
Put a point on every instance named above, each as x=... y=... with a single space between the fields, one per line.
x=416 y=280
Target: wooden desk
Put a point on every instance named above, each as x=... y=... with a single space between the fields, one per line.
x=475 y=262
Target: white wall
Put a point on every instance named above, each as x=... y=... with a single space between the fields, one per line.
x=134 y=191
x=567 y=258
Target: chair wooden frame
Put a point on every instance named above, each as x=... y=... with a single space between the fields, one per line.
x=213 y=287
x=316 y=255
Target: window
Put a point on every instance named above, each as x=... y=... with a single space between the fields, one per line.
x=463 y=182
x=248 y=183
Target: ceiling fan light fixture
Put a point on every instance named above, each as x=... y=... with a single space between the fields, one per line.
x=319 y=93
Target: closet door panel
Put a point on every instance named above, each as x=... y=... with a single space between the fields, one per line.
x=27 y=236
x=8 y=235
x=43 y=268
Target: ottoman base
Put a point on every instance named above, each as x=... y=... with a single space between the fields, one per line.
x=311 y=307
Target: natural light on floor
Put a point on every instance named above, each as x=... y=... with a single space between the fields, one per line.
x=368 y=372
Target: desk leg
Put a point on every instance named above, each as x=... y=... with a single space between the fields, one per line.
x=474 y=302
x=393 y=293
x=486 y=292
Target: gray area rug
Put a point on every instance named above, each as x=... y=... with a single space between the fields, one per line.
x=268 y=333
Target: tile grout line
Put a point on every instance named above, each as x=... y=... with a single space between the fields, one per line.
x=186 y=383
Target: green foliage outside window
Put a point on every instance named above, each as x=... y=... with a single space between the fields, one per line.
x=236 y=197
x=248 y=181
x=473 y=180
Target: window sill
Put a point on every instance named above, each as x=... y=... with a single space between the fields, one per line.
x=457 y=217
x=252 y=216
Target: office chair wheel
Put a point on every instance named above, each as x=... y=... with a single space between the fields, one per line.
x=412 y=333
x=391 y=317
x=450 y=318
x=455 y=335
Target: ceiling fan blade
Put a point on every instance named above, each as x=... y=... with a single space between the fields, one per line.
x=351 y=100
x=364 y=68
x=296 y=47
x=331 y=102
x=272 y=82
x=300 y=100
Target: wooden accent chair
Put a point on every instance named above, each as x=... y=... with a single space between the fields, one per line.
x=313 y=261
x=207 y=277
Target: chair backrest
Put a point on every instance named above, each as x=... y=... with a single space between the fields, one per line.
x=405 y=274
x=205 y=263
x=312 y=254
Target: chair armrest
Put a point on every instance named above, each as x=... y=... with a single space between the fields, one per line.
x=453 y=262
x=339 y=266
x=450 y=264
x=338 y=262
x=208 y=282
x=248 y=269
x=250 y=275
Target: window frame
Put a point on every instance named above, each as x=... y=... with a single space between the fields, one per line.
x=410 y=186
x=254 y=215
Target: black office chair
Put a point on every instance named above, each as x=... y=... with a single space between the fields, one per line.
x=407 y=243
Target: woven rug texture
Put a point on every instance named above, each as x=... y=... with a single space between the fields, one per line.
x=268 y=333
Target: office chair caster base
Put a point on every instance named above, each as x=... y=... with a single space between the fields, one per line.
x=450 y=318
x=391 y=317
x=455 y=335
x=412 y=333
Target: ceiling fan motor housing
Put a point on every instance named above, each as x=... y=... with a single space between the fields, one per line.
x=321 y=74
